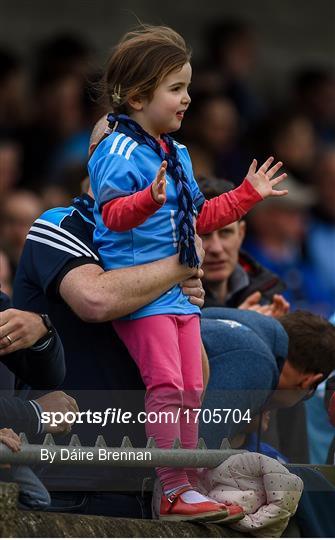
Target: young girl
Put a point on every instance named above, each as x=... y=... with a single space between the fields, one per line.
x=147 y=206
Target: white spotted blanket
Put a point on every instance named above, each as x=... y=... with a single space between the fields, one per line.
x=266 y=490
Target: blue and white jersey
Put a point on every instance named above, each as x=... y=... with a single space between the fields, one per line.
x=120 y=167
x=58 y=241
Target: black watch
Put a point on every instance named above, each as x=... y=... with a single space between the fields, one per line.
x=50 y=333
x=48 y=325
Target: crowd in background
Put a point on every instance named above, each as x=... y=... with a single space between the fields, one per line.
x=48 y=110
x=47 y=113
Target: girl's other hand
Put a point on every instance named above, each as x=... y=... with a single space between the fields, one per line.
x=263 y=181
x=158 y=186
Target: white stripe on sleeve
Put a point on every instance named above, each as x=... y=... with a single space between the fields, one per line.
x=68 y=234
x=53 y=244
x=62 y=238
x=123 y=145
x=115 y=142
x=131 y=149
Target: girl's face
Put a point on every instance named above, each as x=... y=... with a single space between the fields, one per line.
x=165 y=111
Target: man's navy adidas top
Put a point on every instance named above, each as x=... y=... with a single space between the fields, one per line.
x=60 y=240
x=119 y=167
x=99 y=370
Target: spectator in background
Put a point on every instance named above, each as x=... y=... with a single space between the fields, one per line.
x=321 y=234
x=54 y=196
x=231 y=277
x=57 y=140
x=314 y=95
x=234 y=279
x=277 y=233
x=329 y=402
x=233 y=52
x=319 y=429
x=19 y=211
x=59 y=120
x=250 y=441
x=212 y=133
x=63 y=52
x=250 y=355
x=13 y=109
x=10 y=163
x=5 y=274
x=293 y=141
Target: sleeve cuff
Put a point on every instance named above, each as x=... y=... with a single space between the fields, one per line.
x=148 y=203
x=38 y=410
x=251 y=191
x=42 y=345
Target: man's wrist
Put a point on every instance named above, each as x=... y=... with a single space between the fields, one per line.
x=46 y=339
x=183 y=271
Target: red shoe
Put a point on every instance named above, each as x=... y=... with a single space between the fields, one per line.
x=173 y=508
x=235 y=513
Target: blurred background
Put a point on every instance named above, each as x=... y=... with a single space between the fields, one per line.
x=263 y=84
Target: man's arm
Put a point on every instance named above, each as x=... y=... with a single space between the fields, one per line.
x=42 y=367
x=24 y=415
x=71 y=269
x=98 y=296
x=19 y=415
x=27 y=348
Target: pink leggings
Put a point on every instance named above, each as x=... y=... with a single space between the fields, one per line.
x=167 y=351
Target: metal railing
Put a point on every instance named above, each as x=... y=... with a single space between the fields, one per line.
x=123 y=456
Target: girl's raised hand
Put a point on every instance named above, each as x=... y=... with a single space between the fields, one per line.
x=263 y=181
x=158 y=186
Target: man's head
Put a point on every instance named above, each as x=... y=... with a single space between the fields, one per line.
x=222 y=251
x=311 y=351
x=222 y=246
x=97 y=133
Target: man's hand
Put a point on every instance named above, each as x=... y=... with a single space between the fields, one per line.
x=252 y=301
x=199 y=249
x=19 y=330
x=263 y=181
x=277 y=308
x=10 y=439
x=58 y=402
x=193 y=288
x=280 y=306
x=158 y=186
